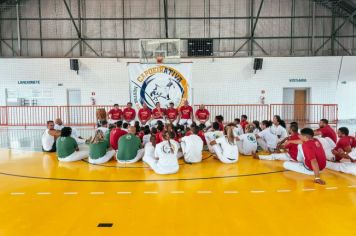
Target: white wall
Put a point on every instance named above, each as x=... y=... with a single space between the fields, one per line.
x=215 y=81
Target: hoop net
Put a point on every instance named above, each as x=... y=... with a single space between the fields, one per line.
x=159 y=51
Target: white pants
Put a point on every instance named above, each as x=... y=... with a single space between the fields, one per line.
x=189 y=158
x=75 y=156
x=153 y=163
x=276 y=156
x=111 y=121
x=154 y=122
x=245 y=151
x=263 y=144
x=131 y=123
x=207 y=123
x=187 y=122
x=328 y=145
x=138 y=157
x=209 y=136
x=219 y=153
x=345 y=167
x=103 y=159
x=147 y=123
x=352 y=154
x=174 y=123
x=298 y=166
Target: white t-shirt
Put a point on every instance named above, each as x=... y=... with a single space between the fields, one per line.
x=47 y=140
x=145 y=139
x=279 y=131
x=270 y=138
x=149 y=150
x=238 y=130
x=103 y=129
x=229 y=151
x=58 y=127
x=249 y=143
x=167 y=155
x=193 y=148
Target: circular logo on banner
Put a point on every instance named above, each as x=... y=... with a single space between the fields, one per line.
x=160 y=84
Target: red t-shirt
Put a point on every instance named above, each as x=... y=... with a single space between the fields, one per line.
x=202 y=136
x=115 y=114
x=158 y=114
x=172 y=113
x=314 y=150
x=144 y=114
x=293 y=148
x=129 y=114
x=189 y=133
x=221 y=126
x=243 y=124
x=115 y=135
x=159 y=137
x=202 y=114
x=327 y=131
x=186 y=112
x=343 y=143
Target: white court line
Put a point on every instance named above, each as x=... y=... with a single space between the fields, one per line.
x=123 y=193
x=352 y=186
x=150 y=192
x=70 y=193
x=283 y=190
x=17 y=193
x=331 y=188
x=231 y=192
x=308 y=189
x=257 y=191
x=44 y=193
x=177 y=192
x=204 y=192
x=96 y=193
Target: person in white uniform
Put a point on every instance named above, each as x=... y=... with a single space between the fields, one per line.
x=149 y=153
x=238 y=130
x=165 y=157
x=328 y=146
x=213 y=134
x=192 y=146
x=247 y=142
x=344 y=167
x=278 y=128
x=225 y=147
x=49 y=137
x=266 y=139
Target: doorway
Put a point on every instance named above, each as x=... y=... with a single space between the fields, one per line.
x=296 y=108
x=74 y=100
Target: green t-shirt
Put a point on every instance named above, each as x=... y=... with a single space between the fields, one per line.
x=66 y=146
x=129 y=144
x=107 y=135
x=97 y=150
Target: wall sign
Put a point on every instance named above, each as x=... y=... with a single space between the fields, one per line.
x=298 y=80
x=28 y=82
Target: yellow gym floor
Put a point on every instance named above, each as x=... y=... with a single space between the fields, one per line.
x=40 y=196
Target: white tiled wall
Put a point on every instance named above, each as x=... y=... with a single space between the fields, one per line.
x=215 y=81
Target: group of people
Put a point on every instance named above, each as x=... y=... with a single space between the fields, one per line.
x=162 y=136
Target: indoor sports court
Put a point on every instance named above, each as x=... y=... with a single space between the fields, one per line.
x=177 y=117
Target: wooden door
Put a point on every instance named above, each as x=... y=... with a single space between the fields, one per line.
x=300 y=110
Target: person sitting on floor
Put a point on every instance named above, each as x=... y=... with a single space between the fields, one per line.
x=129 y=147
x=49 y=137
x=99 y=149
x=67 y=147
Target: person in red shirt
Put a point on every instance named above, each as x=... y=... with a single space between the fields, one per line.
x=129 y=114
x=203 y=115
x=115 y=114
x=220 y=120
x=243 y=122
x=186 y=116
x=172 y=114
x=325 y=130
x=344 y=145
x=144 y=115
x=158 y=114
x=116 y=134
x=311 y=157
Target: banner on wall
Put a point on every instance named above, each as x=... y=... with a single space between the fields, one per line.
x=151 y=83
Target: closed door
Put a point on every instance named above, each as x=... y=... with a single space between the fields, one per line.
x=74 y=101
x=74 y=97
x=300 y=112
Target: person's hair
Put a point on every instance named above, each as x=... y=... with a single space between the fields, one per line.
x=50 y=121
x=294 y=128
x=244 y=116
x=146 y=130
x=167 y=136
x=280 y=121
x=98 y=137
x=129 y=103
x=307 y=132
x=237 y=120
x=249 y=128
x=344 y=130
x=111 y=126
x=125 y=125
x=267 y=123
x=154 y=130
x=160 y=127
x=202 y=126
x=116 y=105
x=229 y=134
x=187 y=129
x=294 y=123
x=66 y=131
x=159 y=122
x=171 y=103
x=216 y=126
x=157 y=103
x=257 y=124
x=193 y=124
x=195 y=130
x=103 y=122
x=219 y=118
x=325 y=121
x=153 y=140
x=119 y=124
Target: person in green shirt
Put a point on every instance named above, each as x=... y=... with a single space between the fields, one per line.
x=130 y=150
x=99 y=149
x=67 y=147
